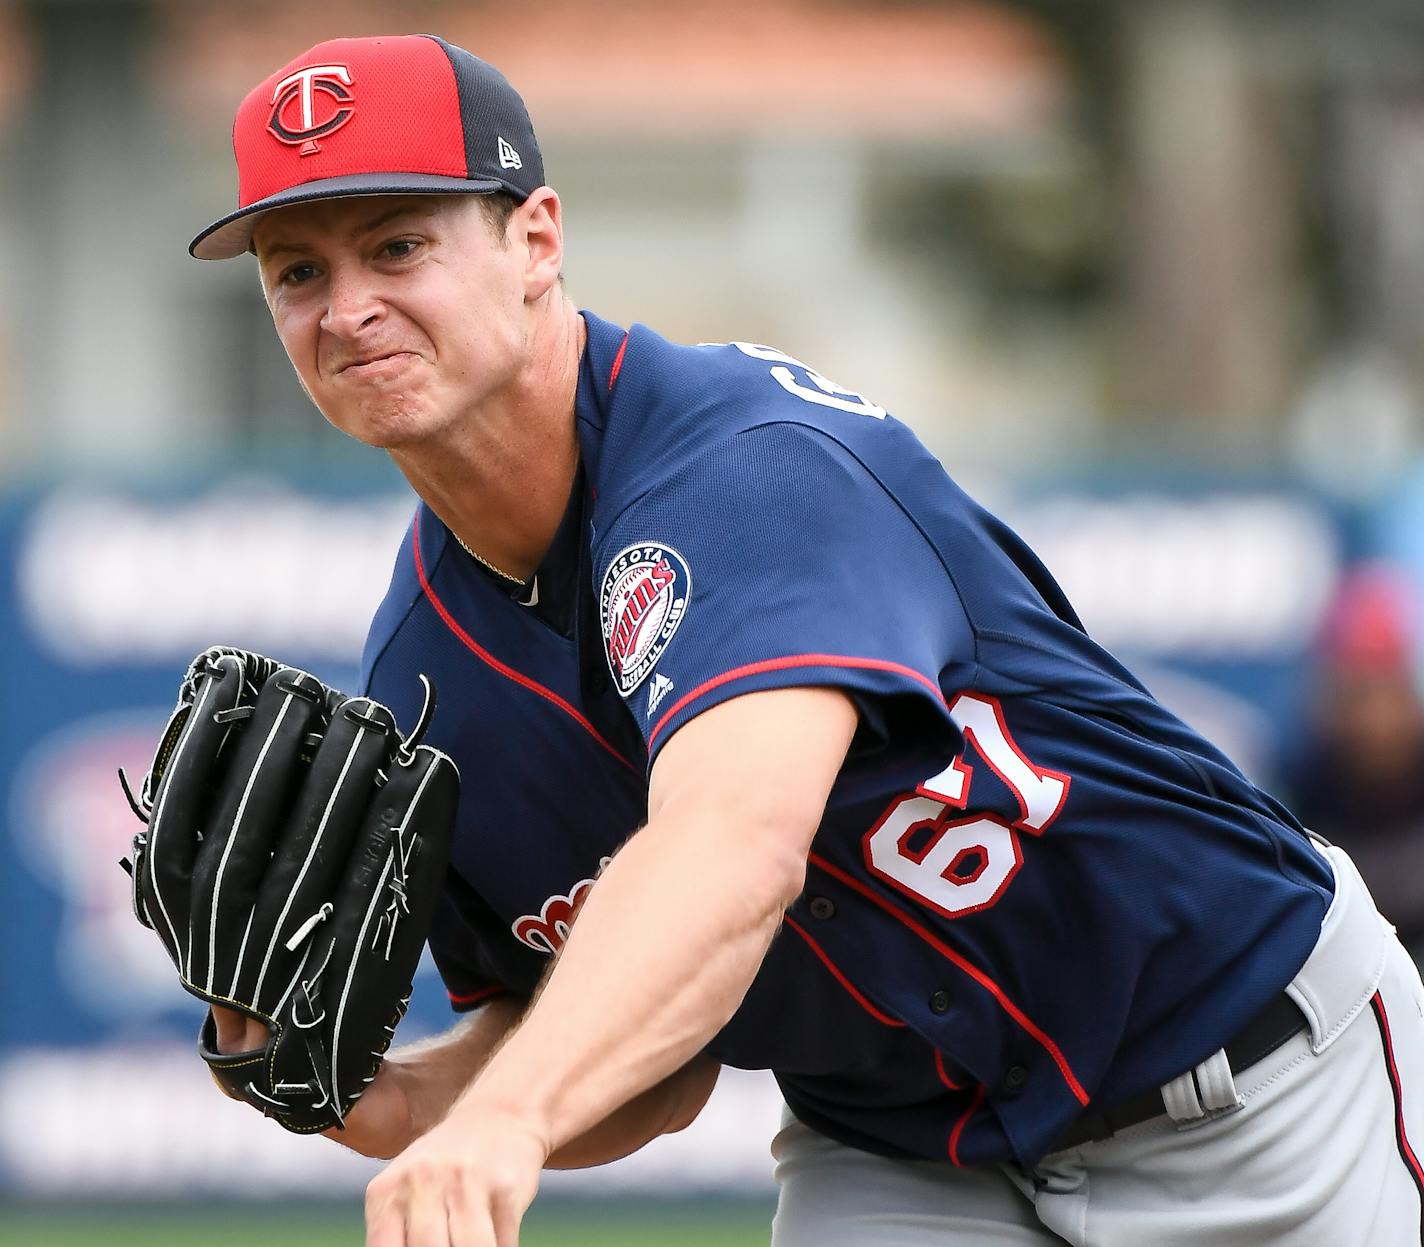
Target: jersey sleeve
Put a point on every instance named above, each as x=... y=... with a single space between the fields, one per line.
x=777 y=559
x=456 y=946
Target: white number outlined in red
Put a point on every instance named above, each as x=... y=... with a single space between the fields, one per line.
x=826 y=393
x=961 y=866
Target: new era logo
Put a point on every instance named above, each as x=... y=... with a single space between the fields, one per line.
x=508 y=157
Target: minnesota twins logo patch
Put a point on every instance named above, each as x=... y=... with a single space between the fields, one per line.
x=644 y=597
x=323 y=105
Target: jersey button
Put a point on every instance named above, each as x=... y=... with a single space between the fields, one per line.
x=1015 y=1077
x=822 y=907
x=939 y=1002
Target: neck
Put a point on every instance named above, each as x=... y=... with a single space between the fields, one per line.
x=501 y=480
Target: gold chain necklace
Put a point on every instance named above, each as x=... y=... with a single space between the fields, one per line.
x=484 y=562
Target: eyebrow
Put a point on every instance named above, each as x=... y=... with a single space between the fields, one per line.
x=365 y=227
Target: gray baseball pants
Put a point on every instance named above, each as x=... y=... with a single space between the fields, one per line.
x=1323 y=1149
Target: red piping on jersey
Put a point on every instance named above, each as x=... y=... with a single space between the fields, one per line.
x=503 y=668
x=839 y=977
x=617 y=361
x=782 y=664
x=1406 y=1151
x=483 y=994
x=972 y=971
x=943 y=1076
x=960 y=1124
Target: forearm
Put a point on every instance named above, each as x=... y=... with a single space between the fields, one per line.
x=417 y=1083
x=663 y=952
x=434 y=1072
x=421 y=1081
x=666 y=1108
x=648 y=976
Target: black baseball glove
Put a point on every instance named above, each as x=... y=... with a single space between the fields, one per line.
x=295 y=848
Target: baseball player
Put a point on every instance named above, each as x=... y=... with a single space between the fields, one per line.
x=780 y=752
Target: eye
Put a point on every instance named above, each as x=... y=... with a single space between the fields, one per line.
x=399 y=248
x=297 y=274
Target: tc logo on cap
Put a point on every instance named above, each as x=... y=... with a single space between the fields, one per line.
x=329 y=82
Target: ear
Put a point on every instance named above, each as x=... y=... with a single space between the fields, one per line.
x=539 y=226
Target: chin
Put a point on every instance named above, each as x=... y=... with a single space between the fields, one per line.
x=388 y=425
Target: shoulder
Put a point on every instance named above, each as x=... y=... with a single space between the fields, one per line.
x=736 y=384
x=686 y=412
x=782 y=479
x=774 y=531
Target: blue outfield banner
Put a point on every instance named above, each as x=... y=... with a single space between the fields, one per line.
x=107 y=597
x=1213 y=594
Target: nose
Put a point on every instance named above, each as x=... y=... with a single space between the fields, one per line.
x=352 y=304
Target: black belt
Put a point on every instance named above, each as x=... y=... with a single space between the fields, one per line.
x=1262 y=1035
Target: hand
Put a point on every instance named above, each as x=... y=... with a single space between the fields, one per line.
x=467 y=1183
x=325 y=789
x=239 y=1032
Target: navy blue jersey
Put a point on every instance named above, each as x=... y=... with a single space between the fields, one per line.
x=1033 y=887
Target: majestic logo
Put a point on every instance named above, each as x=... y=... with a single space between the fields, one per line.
x=548 y=930
x=310 y=104
x=644 y=597
x=508 y=157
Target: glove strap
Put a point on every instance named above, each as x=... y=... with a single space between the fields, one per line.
x=303 y=1107
x=236 y=1073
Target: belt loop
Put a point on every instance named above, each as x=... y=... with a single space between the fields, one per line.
x=1215 y=1084
x=1202 y=1093
x=1179 y=1097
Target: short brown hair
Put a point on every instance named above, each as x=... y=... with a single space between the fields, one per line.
x=498 y=207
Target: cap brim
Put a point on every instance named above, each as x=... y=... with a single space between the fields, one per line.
x=232 y=235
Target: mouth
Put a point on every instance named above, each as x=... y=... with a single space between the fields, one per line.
x=378 y=365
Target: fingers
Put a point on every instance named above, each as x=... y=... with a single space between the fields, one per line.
x=314 y=841
x=461 y=1227
x=419 y=1209
x=473 y=1221
x=385 y=1217
x=506 y=1226
x=427 y=1205
x=427 y=1222
x=186 y=760
x=414 y=1217
x=242 y=824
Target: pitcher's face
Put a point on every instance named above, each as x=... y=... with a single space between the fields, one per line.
x=400 y=313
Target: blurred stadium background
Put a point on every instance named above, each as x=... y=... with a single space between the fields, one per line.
x=1148 y=275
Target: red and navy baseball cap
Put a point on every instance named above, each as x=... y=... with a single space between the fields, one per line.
x=404 y=114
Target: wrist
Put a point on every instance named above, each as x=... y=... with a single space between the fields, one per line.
x=379 y=1124
x=484 y=1109
x=415 y=1115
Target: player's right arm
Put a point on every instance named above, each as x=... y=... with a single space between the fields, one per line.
x=417 y=1084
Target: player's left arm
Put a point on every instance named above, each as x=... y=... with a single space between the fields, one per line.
x=663 y=952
